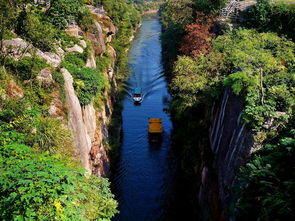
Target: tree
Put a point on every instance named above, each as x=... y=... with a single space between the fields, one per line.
x=197 y=39
x=62 y=12
x=7 y=21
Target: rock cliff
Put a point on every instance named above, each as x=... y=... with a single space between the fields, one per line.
x=230 y=145
x=89 y=123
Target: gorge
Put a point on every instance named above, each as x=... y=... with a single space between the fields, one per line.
x=75 y=146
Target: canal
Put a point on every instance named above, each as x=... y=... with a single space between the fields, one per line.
x=144 y=179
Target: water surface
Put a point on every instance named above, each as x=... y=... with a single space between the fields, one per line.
x=145 y=176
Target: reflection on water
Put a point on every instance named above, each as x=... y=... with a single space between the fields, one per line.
x=145 y=176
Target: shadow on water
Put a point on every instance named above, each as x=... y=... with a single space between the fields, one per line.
x=145 y=177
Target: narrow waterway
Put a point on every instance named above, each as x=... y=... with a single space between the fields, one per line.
x=144 y=179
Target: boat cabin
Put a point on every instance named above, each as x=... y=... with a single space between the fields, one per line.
x=137 y=95
x=155 y=125
x=155 y=130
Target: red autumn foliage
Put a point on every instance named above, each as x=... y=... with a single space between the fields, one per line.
x=197 y=39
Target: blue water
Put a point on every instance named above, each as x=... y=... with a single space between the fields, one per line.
x=145 y=176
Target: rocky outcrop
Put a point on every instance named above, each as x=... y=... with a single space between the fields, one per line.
x=89 y=130
x=18 y=48
x=88 y=124
x=44 y=77
x=75 y=120
x=75 y=48
x=230 y=145
x=13 y=90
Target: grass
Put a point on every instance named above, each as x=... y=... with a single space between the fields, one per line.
x=283 y=1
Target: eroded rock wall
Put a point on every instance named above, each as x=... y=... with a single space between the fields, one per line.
x=230 y=145
x=89 y=124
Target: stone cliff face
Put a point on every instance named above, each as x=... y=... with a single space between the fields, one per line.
x=89 y=126
x=230 y=145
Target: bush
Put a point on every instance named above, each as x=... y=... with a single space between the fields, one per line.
x=241 y=82
x=38 y=187
x=57 y=77
x=49 y=136
x=88 y=82
x=67 y=40
x=27 y=68
x=267 y=181
x=103 y=63
x=85 y=20
x=41 y=34
x=265 y=16
x=209 y=6
x=62 y=12
x=73 y=61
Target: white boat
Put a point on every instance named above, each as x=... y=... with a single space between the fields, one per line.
x=137 y=95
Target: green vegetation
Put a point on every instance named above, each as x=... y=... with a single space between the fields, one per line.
x=88 y=83
x=40 y=177
x=126 y=18
x=264 y=64
x=73 y=61
x=38 y=187
x=259 y=68
x=41 y=34
x=265 y=16
x=34 y=185
x=144 y=6
x=27 y=68
x=62 y=12
x=175 y=16
x=104 y=62
x=268 y=181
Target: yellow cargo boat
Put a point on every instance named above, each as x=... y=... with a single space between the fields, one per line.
x=155 y=126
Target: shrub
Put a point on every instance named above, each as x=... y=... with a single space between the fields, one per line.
x=49 y=136
x=265 y=16
x=241 y=82
x=103 y=63
x=27 y=68
x=41 y=34
x=67 y=40
x=38 y=187
x=85 y=20
x=57 y=76
x=268 y=181
x=88 y=82
x=62 y=12
x=73 y=61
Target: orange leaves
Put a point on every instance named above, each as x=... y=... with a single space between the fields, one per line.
x=197 y=39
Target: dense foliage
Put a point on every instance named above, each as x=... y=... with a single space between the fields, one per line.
x=175 y=16
x=265 y=16
x=88 y=82
x=40 y=176
x=62 y=12
x=268 y=181
x=258 y=67
x=198 y=36
x=38 y=187
x=126 y=18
